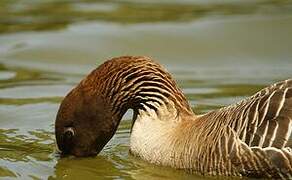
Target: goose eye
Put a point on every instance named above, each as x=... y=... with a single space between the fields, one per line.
x=69 y=133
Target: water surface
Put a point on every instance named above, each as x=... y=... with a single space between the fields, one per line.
x=218 y=52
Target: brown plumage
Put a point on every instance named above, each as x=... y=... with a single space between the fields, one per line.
x=250 y=138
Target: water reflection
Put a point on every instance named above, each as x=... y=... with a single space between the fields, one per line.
x=26 y=131
x=11 y=77
x=15 y=147
x=90 y=168
x=17 y=84
x=18 y=152
x=4 y=172
x=112 y=163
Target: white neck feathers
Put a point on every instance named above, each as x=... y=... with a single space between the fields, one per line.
x=153 y=136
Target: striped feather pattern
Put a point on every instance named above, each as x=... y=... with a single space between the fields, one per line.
x=133 y=82
x=253 y=136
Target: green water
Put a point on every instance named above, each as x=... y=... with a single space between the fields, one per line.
x=218 y=52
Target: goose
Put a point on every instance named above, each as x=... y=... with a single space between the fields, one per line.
x=249 y=138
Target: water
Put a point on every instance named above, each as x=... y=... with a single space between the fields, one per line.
x=218 y=52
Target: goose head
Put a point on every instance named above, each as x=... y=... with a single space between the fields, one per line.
x=83 y=124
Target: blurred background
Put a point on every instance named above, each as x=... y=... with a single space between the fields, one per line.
x=219 y=51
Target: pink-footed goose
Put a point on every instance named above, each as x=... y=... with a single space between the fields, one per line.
x=250 y=138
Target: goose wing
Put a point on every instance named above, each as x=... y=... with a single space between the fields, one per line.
x=257 y=134
x=265 y=119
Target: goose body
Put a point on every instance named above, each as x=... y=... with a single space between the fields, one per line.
x=249 y=138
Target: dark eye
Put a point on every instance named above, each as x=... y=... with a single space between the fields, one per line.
x=69 y=133
x=67 y=140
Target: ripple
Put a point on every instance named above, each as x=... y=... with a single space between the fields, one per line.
x=35 y=91
x=199 y=90
x=5 y=75
x=29 y=117
x=95 y=7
